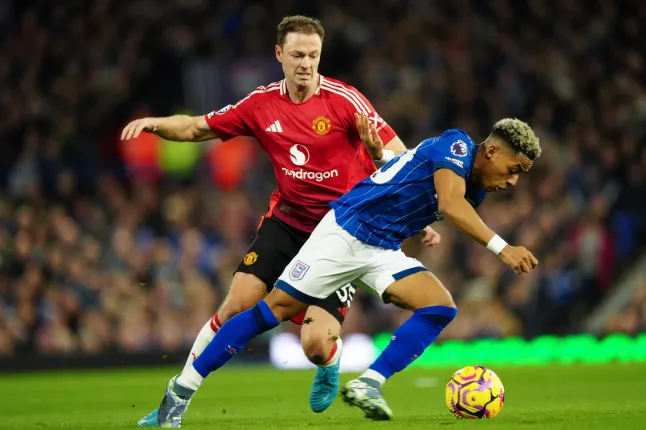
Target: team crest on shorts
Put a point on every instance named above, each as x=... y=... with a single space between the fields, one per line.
x=321 y=125
x=250 y=258
x=299 y=269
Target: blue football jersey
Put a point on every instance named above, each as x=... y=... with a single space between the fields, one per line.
x=399 y=200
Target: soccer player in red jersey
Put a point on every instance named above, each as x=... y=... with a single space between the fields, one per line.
x=307 y=125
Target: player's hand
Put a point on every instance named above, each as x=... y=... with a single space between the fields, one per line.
x=369 y=136
x=134 y=129
x=430 y=237
x=518 y=258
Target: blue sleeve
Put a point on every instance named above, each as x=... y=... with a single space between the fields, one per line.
x=450 y=151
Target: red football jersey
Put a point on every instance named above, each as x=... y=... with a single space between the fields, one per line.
x=314 y=146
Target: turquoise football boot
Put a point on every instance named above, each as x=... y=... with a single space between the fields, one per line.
x=324 y=388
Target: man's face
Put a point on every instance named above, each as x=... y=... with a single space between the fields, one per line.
x=503 y=166
x=300 y=56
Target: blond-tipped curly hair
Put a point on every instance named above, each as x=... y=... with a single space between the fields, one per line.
x=519 y=135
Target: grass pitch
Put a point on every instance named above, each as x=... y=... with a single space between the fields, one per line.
x=575 y=397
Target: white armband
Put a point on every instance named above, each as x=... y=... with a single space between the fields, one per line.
x=386 y=157
x=496 y=244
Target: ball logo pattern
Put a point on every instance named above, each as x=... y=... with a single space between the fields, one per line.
x=475 y=392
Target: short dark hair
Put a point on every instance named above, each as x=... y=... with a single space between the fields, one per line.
x=298 y=24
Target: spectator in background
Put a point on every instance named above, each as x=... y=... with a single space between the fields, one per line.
x=632 y=319
x=96 y=256
x=593 y=249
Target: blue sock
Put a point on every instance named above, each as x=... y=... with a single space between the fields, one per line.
x=411 y=339
x=234 y=336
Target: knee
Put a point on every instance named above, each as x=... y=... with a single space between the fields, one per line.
x=231 y=308
x=284 y=306
x=421 y=302
x=433 y=294
x=447 y=304
x=246 y=290
x=445 y=300
x=439 y=315
x=317 y=348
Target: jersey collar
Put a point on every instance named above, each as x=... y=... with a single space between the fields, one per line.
x=283 y=86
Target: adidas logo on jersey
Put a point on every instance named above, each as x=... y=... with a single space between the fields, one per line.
x=275 y=127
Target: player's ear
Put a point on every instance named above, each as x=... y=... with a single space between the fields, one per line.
x=279 y=53
x=491 y=150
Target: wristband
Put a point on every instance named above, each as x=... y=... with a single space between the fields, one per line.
x=386 y=157
x=496 y=244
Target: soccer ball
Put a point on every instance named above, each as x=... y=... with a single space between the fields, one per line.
x=475 y=392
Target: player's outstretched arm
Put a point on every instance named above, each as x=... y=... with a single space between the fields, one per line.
x=180 y=128
x=451 y=189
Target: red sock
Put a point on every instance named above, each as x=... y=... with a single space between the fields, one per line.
x=215 y=323
x=331 y=356
x=335 y=353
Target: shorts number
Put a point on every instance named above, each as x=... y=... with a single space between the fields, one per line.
x=346 y=294
x=382 y=176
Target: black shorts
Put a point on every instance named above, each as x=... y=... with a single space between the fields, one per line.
x=273 y=248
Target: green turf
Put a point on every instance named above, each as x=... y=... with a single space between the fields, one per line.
x=569 y=397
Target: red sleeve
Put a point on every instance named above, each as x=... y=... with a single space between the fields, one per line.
x=383 y=128
x=231 y=120
x=364 y=106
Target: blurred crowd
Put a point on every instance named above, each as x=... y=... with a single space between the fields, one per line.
x=631 y=318
x=96 y=257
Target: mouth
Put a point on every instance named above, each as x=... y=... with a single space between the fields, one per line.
x=303 y=75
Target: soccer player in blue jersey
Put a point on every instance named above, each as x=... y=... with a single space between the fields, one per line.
x=359 y=240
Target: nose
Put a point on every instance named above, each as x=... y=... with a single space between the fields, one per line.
x=306 y=62
x=512 y=181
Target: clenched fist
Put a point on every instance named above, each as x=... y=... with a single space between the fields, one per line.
x=518 y=258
